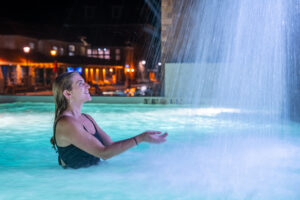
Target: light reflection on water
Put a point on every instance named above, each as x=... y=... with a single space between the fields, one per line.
x=211 y=153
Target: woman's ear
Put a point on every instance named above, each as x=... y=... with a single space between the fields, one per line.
x=67 y=94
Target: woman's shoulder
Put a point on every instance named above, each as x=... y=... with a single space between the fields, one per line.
x=89 y=116
x=65 y=129
x=66 y=123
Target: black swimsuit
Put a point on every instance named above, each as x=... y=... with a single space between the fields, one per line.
x=74 y=157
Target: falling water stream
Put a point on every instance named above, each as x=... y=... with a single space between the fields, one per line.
x=236 y=50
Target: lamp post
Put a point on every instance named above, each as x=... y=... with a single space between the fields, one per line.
x=26 y=51
x=141 y=71
x=28 y=79
x=53 y=54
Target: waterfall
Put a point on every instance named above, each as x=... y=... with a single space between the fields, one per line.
x=231 y=53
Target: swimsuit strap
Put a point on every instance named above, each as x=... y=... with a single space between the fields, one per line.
x=90 y=121
x=97 y=135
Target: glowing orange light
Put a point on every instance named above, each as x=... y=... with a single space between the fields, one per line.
x=26 y=49
x=132 y=70
x=53 y=52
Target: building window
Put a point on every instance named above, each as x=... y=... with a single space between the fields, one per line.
x=99 y=53
x=31 y=45
x=118 y=56
x=106 y=54
x=89 y=52
x=94 y=53
x=71 y=50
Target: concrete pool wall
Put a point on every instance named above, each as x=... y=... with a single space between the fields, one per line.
x=95 y=99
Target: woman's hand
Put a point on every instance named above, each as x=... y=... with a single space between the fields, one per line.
x=152 y=137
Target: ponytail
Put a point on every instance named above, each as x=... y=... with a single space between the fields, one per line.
x=62 y=82
x=53 y=143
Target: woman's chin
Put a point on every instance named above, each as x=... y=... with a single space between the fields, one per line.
x=88 y=98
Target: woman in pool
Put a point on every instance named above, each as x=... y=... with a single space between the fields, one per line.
x=79 y=140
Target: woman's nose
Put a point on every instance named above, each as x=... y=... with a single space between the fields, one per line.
x=87 y=85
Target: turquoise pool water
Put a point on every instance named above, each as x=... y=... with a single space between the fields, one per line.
x=211 y=153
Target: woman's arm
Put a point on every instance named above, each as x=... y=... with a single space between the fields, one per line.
x=72 y=132
x=122 y=145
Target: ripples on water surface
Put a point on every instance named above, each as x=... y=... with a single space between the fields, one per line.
x=211 y=153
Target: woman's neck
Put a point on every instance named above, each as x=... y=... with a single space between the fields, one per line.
x=74 y=110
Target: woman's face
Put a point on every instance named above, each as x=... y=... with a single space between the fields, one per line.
x=80 y=90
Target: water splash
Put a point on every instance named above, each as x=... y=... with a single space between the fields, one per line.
x=237 y=50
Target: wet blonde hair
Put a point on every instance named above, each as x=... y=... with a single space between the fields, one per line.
x=62 y=82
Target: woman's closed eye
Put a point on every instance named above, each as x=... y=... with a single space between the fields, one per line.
x=81 y=83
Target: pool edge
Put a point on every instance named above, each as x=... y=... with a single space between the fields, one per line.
x=95 y=99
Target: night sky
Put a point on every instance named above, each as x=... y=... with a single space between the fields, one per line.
x=36 y=12
x=56 y=12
